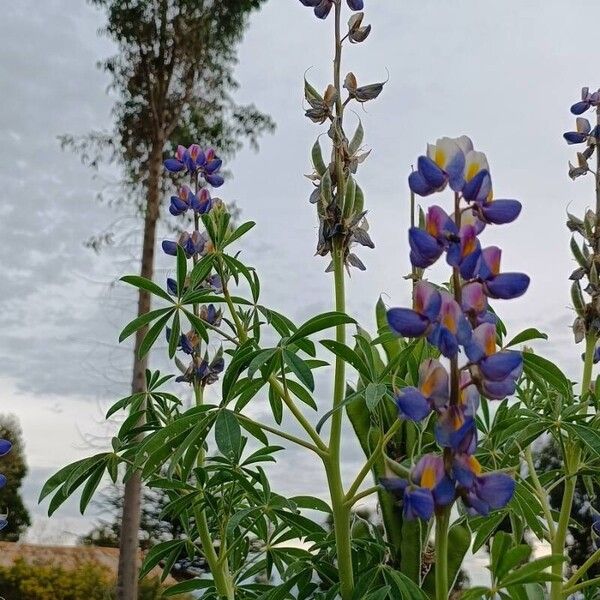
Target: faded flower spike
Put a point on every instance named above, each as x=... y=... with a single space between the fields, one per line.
x=587 y=100
x=322 y=8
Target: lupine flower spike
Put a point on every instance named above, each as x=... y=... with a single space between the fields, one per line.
x=462 y=328
x=199 y=165
x=5 y=448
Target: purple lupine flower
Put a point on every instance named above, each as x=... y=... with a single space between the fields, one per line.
x=455 y=428
x=322 y=8
x=5 y=448
x=451 y=329
x=444 y=164
x=498 y=285
x=211 y=315
x=433 y=392
x=427 y=245
x=481 y=492
x=195 y=243
x=194 y=160
x=475 y=305
x=208 y=165
x=587 y=100
x=429 y=488
x=497 y=212
x=595 y=529
x=464 y=251
x=415 y=322
x=478 y=181
x=186 y=199
x=495 y=372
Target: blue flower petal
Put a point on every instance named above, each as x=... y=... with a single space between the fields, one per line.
x=444 y=492
x=419 y=185
x=173 y=165
x=500 y=365
x=425 y=249
x=431 y=172
x=407 y=322
x=418 y=502
x=506 y=286
x=412 y=405
x=579 y=107
x=169 y=247
x=2 y=480
x=496 y=489
x=214 y=180
x=500 y=212
x=575 y=137
x=5 y=447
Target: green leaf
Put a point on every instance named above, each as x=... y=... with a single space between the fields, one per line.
x=152 y=335
x=157 y=553
x=191 y=585
x=147 y=285
x=228 y=435
x=526 y=335
x=488 y=525
x=311 y=503
x=59 y=478
x=91 y=486
x=349 y=355
x=199 y=273
x=548 y=371
x=238 y=233
x=320 y=322
x=175 y=334
x=300 y=369
x=407 y=589
x=181 y=270
x=534 y=571
x=259 y=360
x=373 y=394
x=198 y=325
x=301 y=393
x=142 y=320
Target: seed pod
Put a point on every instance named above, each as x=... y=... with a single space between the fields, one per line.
x=588 y=223
x=421 y=218
x=357 y=139
x=349 y=198
x=579 y=329
x=577 y=298
x=317 y=159
x=359 y=199
x=594 y=274
x=326 y=196
x=578 y=254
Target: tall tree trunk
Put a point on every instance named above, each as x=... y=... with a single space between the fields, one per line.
x=127 y=583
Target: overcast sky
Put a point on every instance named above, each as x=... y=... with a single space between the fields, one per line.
x=504 y=73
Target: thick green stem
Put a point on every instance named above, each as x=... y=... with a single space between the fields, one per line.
x=442 y=524
x=341 y=513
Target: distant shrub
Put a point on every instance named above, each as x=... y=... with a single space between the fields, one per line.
x=88 y=581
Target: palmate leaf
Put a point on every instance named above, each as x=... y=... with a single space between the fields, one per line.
x=300 y=369
x=538 y=366
x=349 y=355
x=527 y=335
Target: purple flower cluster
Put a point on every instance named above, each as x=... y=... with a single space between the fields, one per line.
x=455 y=322
x=5 y=448
x=198 y=164
x=322 y=8
x=196 y=161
